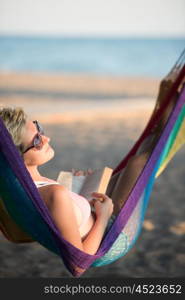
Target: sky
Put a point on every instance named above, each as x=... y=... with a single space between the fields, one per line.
x=161 y=18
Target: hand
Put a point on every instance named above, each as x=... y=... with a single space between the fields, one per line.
x=103 y=205
x=172 y=75
x=165 y=86
x=168 y=81
x=81 y=172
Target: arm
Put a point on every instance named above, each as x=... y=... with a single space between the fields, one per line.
x=61 y=208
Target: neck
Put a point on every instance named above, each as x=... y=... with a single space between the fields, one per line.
x=34 y=173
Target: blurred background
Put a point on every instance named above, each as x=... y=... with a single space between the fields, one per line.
x=89 y=71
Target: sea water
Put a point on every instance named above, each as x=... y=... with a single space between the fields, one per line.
x=95 y=56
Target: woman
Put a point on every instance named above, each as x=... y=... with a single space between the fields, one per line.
x=72 y=213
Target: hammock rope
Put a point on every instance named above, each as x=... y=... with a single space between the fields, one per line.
x=20 y=200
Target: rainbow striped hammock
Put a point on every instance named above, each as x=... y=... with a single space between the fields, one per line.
x=25 y=218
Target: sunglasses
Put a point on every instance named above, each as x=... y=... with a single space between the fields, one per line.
x=37 y=141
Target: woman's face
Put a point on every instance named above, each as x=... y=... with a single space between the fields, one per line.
x=34 y=156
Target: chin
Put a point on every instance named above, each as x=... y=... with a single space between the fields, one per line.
x=50 y=153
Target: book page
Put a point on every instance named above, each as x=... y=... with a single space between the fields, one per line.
x=70 y=181
x=85 y=185
x=96 y=182
x=65 y=178
x=77 y=183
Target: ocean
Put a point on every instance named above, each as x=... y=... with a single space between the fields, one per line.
x=94 y=56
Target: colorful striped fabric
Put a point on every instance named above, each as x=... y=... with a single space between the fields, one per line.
x=174 y=143
x=22 y=202
x=133 y=226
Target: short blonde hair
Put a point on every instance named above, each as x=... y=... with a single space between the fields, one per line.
x=14 y=120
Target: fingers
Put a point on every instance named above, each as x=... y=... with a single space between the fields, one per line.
x=81 y=172
x=77 y=172
x=89 y=171
x=102 y=204
x=93 y=202
x=99 y=196
x=99 y=199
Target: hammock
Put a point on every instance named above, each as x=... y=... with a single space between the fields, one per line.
x=24 y=217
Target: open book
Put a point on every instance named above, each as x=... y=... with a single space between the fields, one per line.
x=85 y=185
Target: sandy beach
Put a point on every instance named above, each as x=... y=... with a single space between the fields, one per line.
x=93 y=122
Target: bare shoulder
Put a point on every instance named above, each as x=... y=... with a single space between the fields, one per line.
x=50 y=193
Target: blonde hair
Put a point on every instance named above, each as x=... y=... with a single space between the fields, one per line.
x=14 y=120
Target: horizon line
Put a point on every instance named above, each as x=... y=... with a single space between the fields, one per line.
x=87 y=36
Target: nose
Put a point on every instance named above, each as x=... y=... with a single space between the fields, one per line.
x=45 y=139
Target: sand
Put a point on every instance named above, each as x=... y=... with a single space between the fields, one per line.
x=94 y=122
